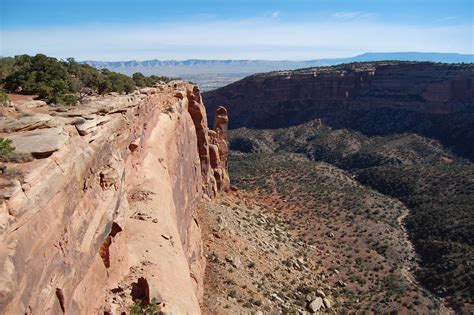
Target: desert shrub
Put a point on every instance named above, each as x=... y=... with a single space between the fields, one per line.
x=4 y=99
x=5 y=147
x=139 y=308
x=141 y=80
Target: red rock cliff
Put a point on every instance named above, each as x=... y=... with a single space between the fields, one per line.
x=99 y=201
x=285 y=98
x=374 y=98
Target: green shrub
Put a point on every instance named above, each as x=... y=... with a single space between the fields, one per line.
x=139 y=308
x=5 y=147
x=141 y=80
x=65 y=82
x=4 y=100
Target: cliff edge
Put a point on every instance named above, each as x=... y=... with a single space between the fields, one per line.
x=99 y=201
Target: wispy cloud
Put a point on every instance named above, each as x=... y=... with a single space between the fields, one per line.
x=273 y=14
x=262 y=38
x=352 y=15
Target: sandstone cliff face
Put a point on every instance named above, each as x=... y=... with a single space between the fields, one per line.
x=99 y=203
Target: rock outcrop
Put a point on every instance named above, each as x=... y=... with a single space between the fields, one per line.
x=83 y=218
x=212 y=144
x=219 y=150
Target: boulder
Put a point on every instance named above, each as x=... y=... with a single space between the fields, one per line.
x=316 y=305
x=327 y=303
x=320 y=293
x=134 y=145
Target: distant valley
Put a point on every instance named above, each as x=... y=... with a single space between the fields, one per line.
x=212 y=74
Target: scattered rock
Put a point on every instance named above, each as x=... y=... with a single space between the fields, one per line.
x=316 y=305
x=234 y=261
x=320 y=293
x=134 y=145
x=300 y=261
x=276 y=297
x=327 y=303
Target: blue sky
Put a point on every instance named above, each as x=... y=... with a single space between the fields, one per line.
x=224 y=29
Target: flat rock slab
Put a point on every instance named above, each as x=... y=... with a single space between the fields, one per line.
x=39 y=143
x=90 y=124
x=32 y=122
x=81 y=112
x=31 y=103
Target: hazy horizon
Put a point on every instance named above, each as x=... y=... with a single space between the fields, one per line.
x=248 y=30
x=278 y=60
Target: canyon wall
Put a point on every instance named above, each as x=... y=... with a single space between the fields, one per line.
x=285 y=98
x=375 y=98
x=99 y=202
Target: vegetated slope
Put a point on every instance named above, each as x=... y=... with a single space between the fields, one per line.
x=434 y=184
x=374 y=98
x=298 y=228
x=57 y=81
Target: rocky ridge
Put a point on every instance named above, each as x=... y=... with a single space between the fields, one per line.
x=93 y=195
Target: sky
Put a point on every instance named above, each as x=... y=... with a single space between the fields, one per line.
x=114 y=30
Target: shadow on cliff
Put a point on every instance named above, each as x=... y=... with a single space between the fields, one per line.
x=375 y=99
x=454 y=131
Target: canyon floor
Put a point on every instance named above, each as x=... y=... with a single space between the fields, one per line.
x=329 y=244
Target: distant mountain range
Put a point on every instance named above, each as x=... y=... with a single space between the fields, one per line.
x=210 y=74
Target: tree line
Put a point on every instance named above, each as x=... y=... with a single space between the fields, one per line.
x=65 y=81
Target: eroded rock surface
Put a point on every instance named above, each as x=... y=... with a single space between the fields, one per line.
x=220 y=149
x=81 y=217
x=212 y=144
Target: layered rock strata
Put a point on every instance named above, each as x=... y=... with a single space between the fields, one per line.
x=285 y=98
x=374 y=98
x=99 y=203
